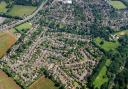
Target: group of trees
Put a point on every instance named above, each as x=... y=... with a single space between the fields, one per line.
x=47 y=75
x=118 y=70
x=121 y=80
x=23 y=2
x=27 y=2
x=102 y=32
x=119 y=66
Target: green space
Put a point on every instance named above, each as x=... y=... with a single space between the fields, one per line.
x=101 y=78
x=3 y=8
x=22 y=27
x=75 y=84
x=122 y=33
x=20 y=10
x=43 y=83
x=106 y=45
x=117 y=4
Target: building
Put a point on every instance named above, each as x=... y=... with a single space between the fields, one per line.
x=66 y=1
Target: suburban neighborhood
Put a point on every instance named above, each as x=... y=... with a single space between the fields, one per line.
x=63 y=44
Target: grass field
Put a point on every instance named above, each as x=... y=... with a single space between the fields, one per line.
x=43 y=83
x=122 y=33
x=20 y=10
x=107 y=46
x=118 y=4
x=24 y=26
x=7 y=82
x=3 y=7
x=7 y=39
x=102 y=77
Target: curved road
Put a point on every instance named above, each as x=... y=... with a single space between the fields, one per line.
x=26 y=19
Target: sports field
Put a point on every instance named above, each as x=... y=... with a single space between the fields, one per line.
x=7 y=82
x=106 y=45
x=3 y=8
x=20 y=10
x=7 y=39
x=43 y=83
x=118 y=4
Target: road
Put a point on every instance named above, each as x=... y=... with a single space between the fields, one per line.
x=26 y=19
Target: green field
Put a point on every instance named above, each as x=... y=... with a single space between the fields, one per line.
x=101 y=77
x=7 y=82
x=117 y=4
x=122 y=33
x=107 y=46
x=20 y=10
x=24 y=26
x=43 y=83
x=3 y=8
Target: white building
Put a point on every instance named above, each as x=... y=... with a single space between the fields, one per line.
x=66 y=1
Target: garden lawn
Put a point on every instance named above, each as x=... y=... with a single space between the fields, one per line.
x=43 y=83
x=118 y=4
x=3 y=8
x=20 y=10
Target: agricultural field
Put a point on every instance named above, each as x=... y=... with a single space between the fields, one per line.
x=43 y=83
x=107 y=46
x=21 y=11
x=7 y=82
x=7 y=39
x=101 y=78
x=3 y=8
x=118 y=4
